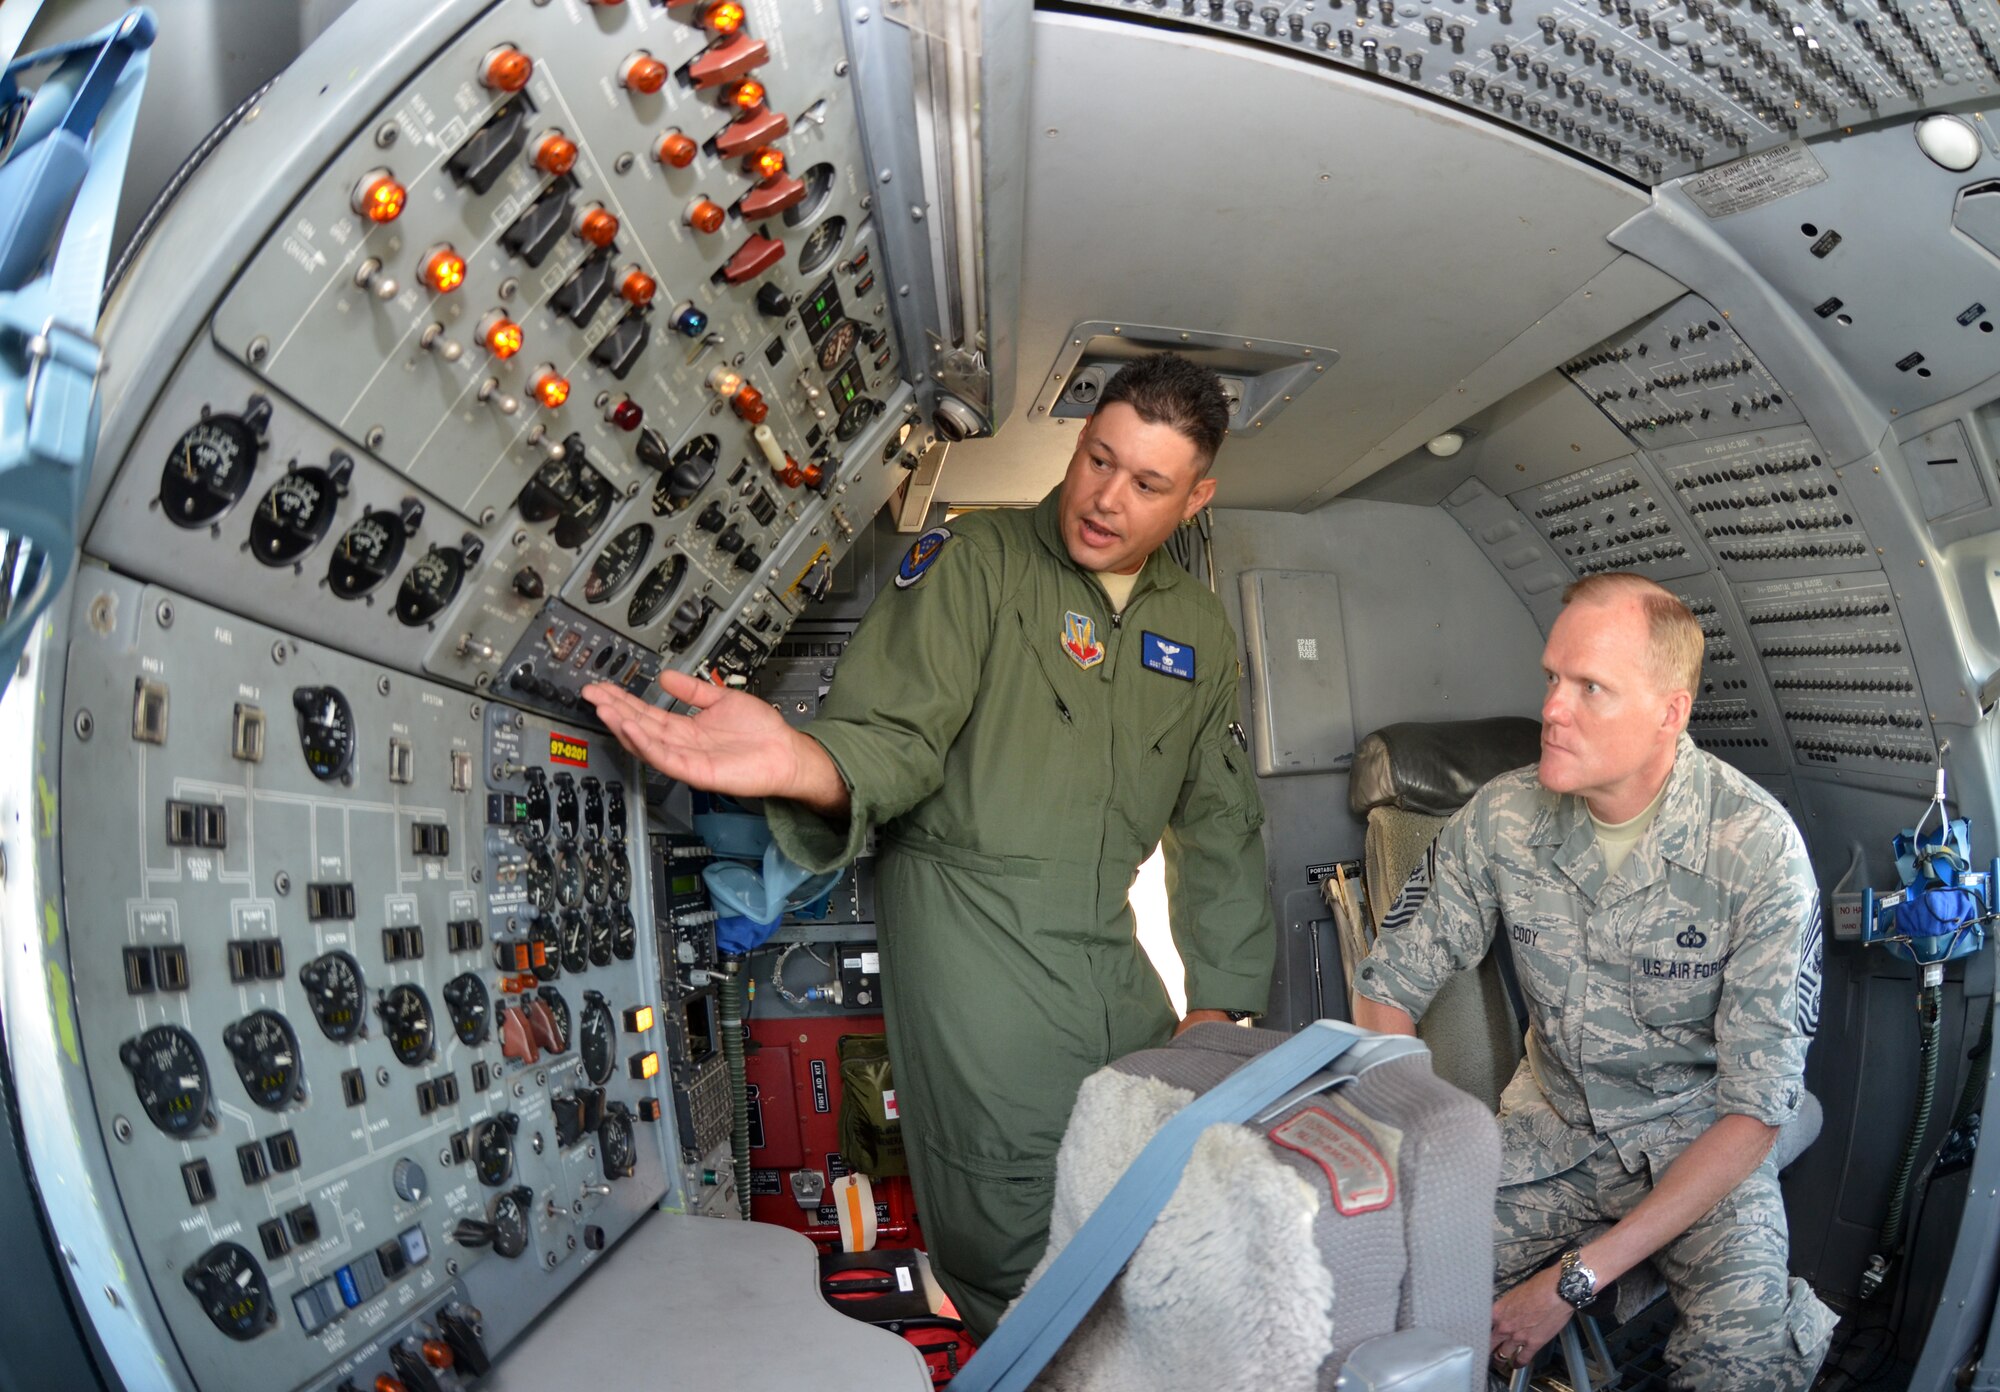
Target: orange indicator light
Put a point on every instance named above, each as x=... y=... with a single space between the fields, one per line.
x=704 y=216
x=746 y=95
x=550 y=389
x=438 y=1353
x=506 y=69
x=637 y=287
x=596 y=226
x=444 y=269
x=749 y=403
x=555 y=154
x=389 y=1382
x=639 y=1019
x=766 y=163
x=501 y=335
x=378 y=197
x=676 y=149
x=645 y=1065
x=724 y=17
x=642 y=72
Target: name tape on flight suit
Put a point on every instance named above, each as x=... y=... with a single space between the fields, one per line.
x=922 y=555
x=1165 y=655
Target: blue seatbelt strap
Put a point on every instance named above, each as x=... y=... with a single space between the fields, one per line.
x=1055 y=1304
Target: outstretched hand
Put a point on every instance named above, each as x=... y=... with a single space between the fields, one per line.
x=733 y=743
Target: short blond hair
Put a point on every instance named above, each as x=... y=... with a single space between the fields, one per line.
x=1675 y=642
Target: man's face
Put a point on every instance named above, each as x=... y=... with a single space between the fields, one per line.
x=1129 y=485
x=1606 y=722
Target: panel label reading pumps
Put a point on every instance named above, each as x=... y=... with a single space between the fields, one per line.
x=568 y=749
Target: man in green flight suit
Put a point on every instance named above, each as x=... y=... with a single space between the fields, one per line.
x=1039 y=701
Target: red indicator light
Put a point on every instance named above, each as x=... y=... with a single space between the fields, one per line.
x=506 y=69
x=555 y=154
x=767 y=163
x=444 y=270
x=705 y=216
x=637 y=287
x=676 y=150
x=642 y=72
x=626 y=415
x=438 y=1353
x=501 y=335
x=724 y=17
x=596 y=226
x=549 y=388
x=749 y=403
x=746 y=95
x=378 y=197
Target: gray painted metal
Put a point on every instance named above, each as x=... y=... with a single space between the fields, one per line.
x=1261 y=378
x=1302 y=718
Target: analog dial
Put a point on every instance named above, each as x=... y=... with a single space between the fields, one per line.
x=407 y=1020
x=266 y=1053
x=566 y=806
x=597 y=1039
x=559 y=1012
x=510 y=1222
x=293 y=516
x=366 y=553
x=859 y=412
x=543 y=930
x=431 y=584
x=575 y=941
x=170 y=1076
x=208 y=470
x=838 y=344
x=821 y=244
x=617 y=563
x=541 y=881
x=603 y=938
x=466 y=1001
x=334 y=991
x=538 y=804
x=232 y=1290
x=595 y=878
x=569 y=879
x=620 y=887
x=614 y=811
x=493 y=1150
x=615 y=1144
x=624 y=933
x=656 y=589
x=326 y=731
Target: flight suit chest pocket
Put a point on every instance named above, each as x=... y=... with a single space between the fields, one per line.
x=1677 y=971
x=1541 y=929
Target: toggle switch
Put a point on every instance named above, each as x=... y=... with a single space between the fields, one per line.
x=747 y=132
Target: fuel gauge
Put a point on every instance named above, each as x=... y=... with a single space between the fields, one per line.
x=208 y=470
x=433 y=582
x=407 y=1021
x=170 y=1077
x=326 y=731
x=293 y=515
x=266 y=1053
x=366 y=553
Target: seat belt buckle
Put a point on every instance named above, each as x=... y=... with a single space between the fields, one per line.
x=66 y=345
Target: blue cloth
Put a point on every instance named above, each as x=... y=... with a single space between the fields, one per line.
x=750 y=901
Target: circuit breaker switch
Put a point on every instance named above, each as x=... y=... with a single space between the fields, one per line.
x=643 y=73
x=774 y=453
x=506 y=69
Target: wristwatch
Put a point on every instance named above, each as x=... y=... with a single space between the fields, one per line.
x=1237 y=1017
x=1578 y=1283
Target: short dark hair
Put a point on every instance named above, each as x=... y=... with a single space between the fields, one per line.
x=1166 y=389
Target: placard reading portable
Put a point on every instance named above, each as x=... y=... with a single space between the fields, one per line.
x=568 y=749
x=1361 y=1178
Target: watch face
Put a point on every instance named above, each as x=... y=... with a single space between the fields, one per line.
x=1577 y=1285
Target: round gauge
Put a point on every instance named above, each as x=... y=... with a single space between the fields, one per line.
x=543 y=930
x=575 y=941
x=617 y=563
x=593 y=809
x=620 y=887
x=208 y=470
x=819 y=183
x=693 y=466
x=822 y=244
x=267 y=1058
x=597 y=1039
x=406 y=1019
x=334 y=991
x=656 y=589
x=326 y=731
x=510 y=1222
x=569 y=879
x=538 y=804
x=541 y=881
x=614 y=811
x=602 y=938
x=838 y=344
x=431 y=584
x=366 y=553
x=615 y=1144
x=232 y=1290
x=897 y=439
x=586 y=509
x=566 y=806
x=859 y=412
x=293 y=515
x=624 y=933
x=170 y=1077
x=596 y=879
x=493 y=1150
x=545 y=493
x=465 y=1000
x=559 y=1013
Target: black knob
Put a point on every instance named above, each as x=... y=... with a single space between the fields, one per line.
x=528 y=583
x=773 y=301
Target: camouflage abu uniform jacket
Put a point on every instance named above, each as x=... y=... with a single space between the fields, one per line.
x=1684 y=987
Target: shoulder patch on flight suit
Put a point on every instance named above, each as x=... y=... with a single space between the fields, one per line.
x=927 y=549
x=1079 y=640
x=1164 y=655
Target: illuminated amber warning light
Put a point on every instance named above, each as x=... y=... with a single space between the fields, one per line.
x=389 y=1382
x=637 y=287
x=555 y=153
x=639 y=1019
x=766 y=163
x=645 y=1066
x=438 y=1353
x=596 y=226
x=703 y=215
x=642 y=72
x=378 y=197
x=746 y=95
x=444 y=269
x=724 y=17
x=506 y=69
x=676 y=150
x=501 y=335
x=550 y=388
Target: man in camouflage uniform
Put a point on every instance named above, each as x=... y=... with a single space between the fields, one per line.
x=1664 y=923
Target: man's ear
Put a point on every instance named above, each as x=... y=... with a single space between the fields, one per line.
x=1198 y=498
x=1679 y=705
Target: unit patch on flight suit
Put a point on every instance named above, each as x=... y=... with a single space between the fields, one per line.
x=1079 y=640
x=926 y=551
x=1165 y=655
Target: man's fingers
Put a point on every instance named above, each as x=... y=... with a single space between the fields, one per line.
x=689 y=690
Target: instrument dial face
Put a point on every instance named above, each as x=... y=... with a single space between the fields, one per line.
x=232 y=1290
x=432 y=583
x=614 y=1141
x=170 y=1076
x=603 y=937
x=593 y=809
x=656 y=589
x=566 y=806
x=620 y=887
x=510 y=1222
x=838 y=344
x=538 y=804
x=858 y=413
x=614 y=811
x=559 y=1012
x=586 y=509
x=326 y=731
x=596 y=880
x=293 y=516
x=208 y=470
x=617 y=563
x=575 y=941
x=545 y=493
x=569 y=879
x=493 y=1152
x=266 y=1053
x=407 y=1020
x=597 y=1040
x=822 y=244
x=624 y=933
x=542 y=881
x=466 y=1001
x=543 y=930
x=366 y=553
x=334 y=991
x=819 y=182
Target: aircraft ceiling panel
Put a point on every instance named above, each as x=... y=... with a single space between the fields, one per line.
x=1154 y=212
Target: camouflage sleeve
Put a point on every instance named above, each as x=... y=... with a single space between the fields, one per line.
x=1769 y=1007
x=1440 y=924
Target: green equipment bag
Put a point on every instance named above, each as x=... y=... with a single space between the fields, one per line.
x=871 y=1133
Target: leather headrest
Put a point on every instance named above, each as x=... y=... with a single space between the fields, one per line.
x=1433 y=767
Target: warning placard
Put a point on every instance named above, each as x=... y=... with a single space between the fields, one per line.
x=1754 y=180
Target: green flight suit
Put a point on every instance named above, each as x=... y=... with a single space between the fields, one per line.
x=1020 y=768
